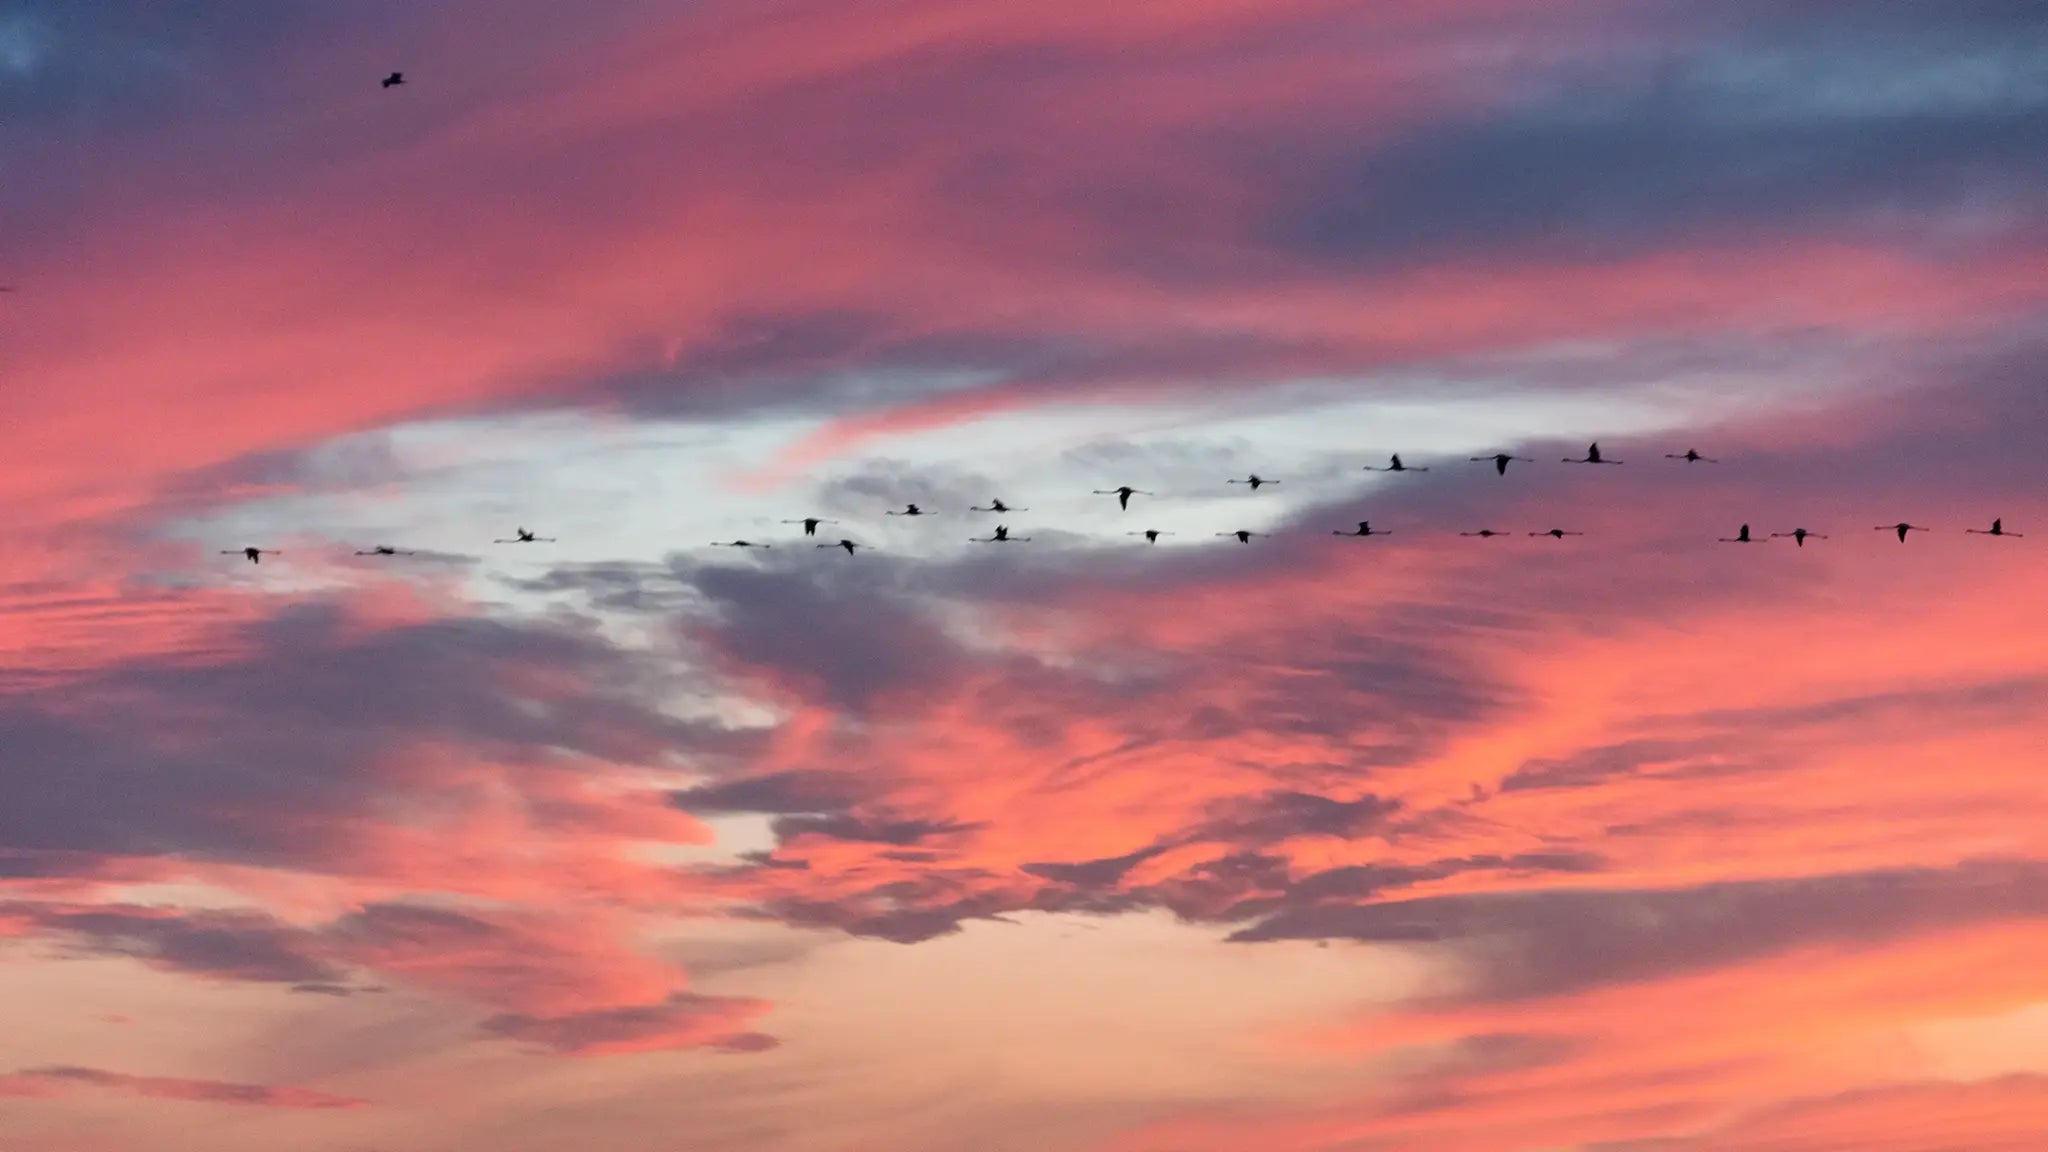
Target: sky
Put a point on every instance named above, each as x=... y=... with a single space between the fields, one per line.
x=1628 y=841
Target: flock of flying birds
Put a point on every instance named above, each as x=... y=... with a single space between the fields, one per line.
x=1123 y=494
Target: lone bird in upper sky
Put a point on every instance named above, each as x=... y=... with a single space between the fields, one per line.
x=1395 y=466
x=1799 y=536
x=811 y=523
x=1151 y=535
x=738 y=544
x=255 y=555
x=1364 y=529
x=1559 y=533
x=1002 y=536
x=1123 y=495
x=1500 y=461
x=1690 y=456
x=1997 y=529
x=394 y=80
x=522 y=536
x=382 y=550
x=1243 y=536
x=1741 y=537
x=846 y=544
x=997 y=506
x=1592 y=456
x=910 y=510
x=1902 y=528
x=1254 y=480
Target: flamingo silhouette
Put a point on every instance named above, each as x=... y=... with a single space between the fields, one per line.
x=1151 y=535
x=1592 y=456
x=254 y=555
x=1741 y=537
x=1799 y=536
x=1395 y=466
x=1559 y=533
x=1002 y=536
x=1483 y=532
x=1364 y=529
x=394 y=80
x=1123 y=495
x=1997 y=529
x=846 y=544
x=383 y=550
x=738 y=544
x=997 y=506
x=1690 y=456
x=1254 y=480
x=1500 y=461
x=522 y=536
x=1243 y=536
x=911 y=510
x=811 y=523
x=1902 y=528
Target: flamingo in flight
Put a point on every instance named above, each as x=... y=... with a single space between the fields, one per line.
x=1488 y=532
x=1500 y=461
x=383 y=550
x=911 y=510
x=1997 y=529
x=1151 y=535
x=1690 y=456
x=1559 y=533
x=738 y=544
x=1002 y=536
x=997 y=506
x=1123 y=495
x=1902 y=528
x=1395 y=465
x=811 y=523
x=1799 y=536
x=1243 y=536
x=1364 y=529
x=254 y=555
x=1254 y=480
x=522 y=536
x=846 y=544
x=1592 y=456
x=394 y=80
x=1742 y=537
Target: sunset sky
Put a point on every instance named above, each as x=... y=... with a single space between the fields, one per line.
x=1629 y=841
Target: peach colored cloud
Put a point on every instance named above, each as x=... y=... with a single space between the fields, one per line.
x=62 y=1080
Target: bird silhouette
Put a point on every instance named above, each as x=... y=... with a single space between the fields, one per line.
x=1002 y=536
x=1243 y=536
x=1902 y=528
x=1592 y=456
x=738 y=544
x=1364 y=529
x=1500 y=461
x=846 y=544
x=1395 y=465
x=1741 y=537
x=911 y=510
x=811 y=523
x=522 y=536
x=382 y=550
x=1559 y=533
x=1799 y=536
x=997 y=506
x=1483 y=532
x=1690 y=456
x=1254 y=480
x=1151 y=535
x=254 y=555
x=1997 y=529
x=395 y=79
x=1123 y=495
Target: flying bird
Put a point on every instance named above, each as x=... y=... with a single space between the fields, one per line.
x=1997 y=529
x=997 y=506
x=1483 y=532
x=394 y=80
x=1002 y=536
x=1395 y=466
x=255 y=555
x=1123 y=495
x=1254 y=480
x=1592 y=456
x=1690 y=456
x=911 y=510
x=383 y=550
x=1243 y=536
x=1741 y=537
x=1559 y=533
x=1902 y=528
x=846 y=544
x=811 y=523
x=1799 y=536
x=1500 y=461
x=1151 y=535
x=738 y=544
x=1365 y=528
x=522 y=536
